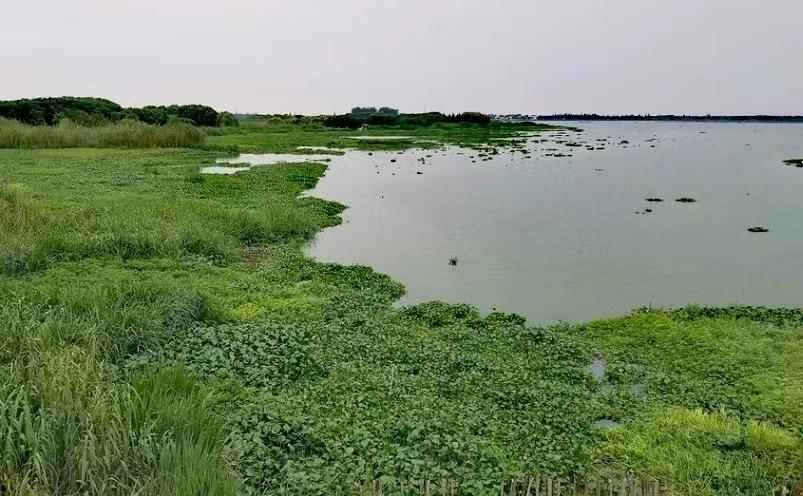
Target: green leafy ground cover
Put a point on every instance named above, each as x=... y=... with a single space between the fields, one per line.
x=161 y=332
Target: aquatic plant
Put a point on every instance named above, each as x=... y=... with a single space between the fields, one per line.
x=162 y=332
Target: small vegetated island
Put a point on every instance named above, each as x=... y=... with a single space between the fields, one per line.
x=162 y=332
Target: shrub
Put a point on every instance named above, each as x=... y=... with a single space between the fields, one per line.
x=343 y=121
x=227 y=119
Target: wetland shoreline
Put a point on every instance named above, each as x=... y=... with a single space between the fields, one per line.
x=179 y=310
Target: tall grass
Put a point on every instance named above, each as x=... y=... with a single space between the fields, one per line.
x=125 y=134
x=76 y=417
x=137 y=226
x=67 y=430
x=68 y=424
x=708 y=453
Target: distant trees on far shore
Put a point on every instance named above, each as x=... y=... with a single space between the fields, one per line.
x=96 y=112
x=361 y=116
x=369 y=111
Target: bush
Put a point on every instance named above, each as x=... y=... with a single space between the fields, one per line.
x=227 y=119
x=81 y=118
x=200 y=115
x=343 y=121
x=382 y=120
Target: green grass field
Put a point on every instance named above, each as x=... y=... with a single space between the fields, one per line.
x=162 y=332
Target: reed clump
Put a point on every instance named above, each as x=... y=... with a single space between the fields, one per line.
x=124 y=134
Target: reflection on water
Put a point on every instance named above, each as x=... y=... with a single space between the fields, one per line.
x=557 y=226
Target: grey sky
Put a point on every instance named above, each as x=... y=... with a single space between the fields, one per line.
x=324 y=56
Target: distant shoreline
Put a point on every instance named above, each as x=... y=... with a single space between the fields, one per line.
x=672 y=118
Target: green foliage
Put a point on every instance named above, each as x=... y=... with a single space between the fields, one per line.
x=97 y=111
x=363 y=111
x=226 y=119
x=776 y=316
x=369 y=111
x=162 y=332
x=360 y=116
x=124 y=134
x=269 y=355
x=81 y=118
x=200 y=115
x=343 y=121
x=438 y=314
x=40 y=111
x=130 y=226
x=62 y=434
x=704 y=453
x=67 y=426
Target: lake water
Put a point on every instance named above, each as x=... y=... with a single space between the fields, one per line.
x=562 y=231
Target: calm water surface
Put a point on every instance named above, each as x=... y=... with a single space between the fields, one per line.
x=566 y=238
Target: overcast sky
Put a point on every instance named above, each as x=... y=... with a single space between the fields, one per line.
x=325 y=56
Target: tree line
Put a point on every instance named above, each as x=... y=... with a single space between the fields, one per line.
x=90 y=111
x=356 y=120
x=369 y=111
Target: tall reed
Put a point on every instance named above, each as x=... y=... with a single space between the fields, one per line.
x=124 y=134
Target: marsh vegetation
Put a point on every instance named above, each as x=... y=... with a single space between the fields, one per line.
x=162 y=332
x=123 y=134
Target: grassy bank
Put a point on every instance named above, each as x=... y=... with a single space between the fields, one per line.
x=163 y=333
x=124 y=134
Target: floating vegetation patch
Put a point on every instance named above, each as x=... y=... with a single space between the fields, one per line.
x=324 y=149
x=380 y=138
x=246 y=161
